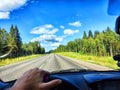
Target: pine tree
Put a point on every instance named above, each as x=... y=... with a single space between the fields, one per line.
x=42 y=50
x=3 y=41
x=18 y=38
x=15 y=41
x=84 y=35
x=90 y=34
x=96 y=33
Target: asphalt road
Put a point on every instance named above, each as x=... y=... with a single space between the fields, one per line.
x=51 y=62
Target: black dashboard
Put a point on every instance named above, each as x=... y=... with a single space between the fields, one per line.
x=106 y=85
x=81 y=80
x=89 y=80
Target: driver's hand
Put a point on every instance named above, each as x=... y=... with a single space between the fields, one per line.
x=33 y=80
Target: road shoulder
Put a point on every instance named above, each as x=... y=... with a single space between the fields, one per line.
x=90 y=65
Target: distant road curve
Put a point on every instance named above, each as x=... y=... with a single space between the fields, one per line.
x=51 y=62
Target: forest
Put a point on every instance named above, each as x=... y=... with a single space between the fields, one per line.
x=11 y=43
x=105 y=43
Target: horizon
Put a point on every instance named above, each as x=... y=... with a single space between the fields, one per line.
x=55 y=22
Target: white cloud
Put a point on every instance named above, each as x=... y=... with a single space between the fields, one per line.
x=8 y=5
x=62 y=27
x=48 y=38
x=55 y=44
x=59 y=39
x=70 y=31
x=4 y=15
x=48 y=26
x=76 y=24
x=45 y=29
x=49 y=46
x=42 y=44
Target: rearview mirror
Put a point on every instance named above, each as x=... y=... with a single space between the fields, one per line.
x=117 y=26
x=114 y=7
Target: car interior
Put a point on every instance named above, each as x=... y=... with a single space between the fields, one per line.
x=86 y=79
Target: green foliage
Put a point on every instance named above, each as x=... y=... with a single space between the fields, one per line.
x=8 y=61
x=42 y=50
x=106 y=43
x=96 y=33
x=15 y=41
x=84 y=35
x=12 y=41
x=90 y=34
x=3 y=41
x=32 y=48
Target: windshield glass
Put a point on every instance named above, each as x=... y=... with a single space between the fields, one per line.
x=56 y=35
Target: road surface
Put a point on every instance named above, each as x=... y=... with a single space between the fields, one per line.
x=51 y=62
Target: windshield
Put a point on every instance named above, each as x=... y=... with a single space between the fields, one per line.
x=56 y=35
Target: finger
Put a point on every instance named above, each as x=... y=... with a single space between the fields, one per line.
x=43 y=74
x=50 y=84
x=35 y=70
x=27 y=72
x=31 y=72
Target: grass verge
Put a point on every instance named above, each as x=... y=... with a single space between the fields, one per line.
x=104 y=61
x=8 y=61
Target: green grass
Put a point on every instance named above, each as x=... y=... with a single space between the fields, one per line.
x=8 y=61
x=104 y=61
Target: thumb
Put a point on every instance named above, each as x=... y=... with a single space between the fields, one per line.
x=50 y=84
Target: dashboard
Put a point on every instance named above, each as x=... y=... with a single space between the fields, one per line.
x=89 y=80
x=81 y=80
x=106 y=85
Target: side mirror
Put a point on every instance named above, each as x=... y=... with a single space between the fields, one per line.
x=117 y=58
x=117 y=25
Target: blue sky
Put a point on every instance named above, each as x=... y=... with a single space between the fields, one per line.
x=55 y=22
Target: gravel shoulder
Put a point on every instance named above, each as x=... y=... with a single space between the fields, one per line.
x=90 y=65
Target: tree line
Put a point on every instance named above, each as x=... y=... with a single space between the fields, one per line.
x=12 y=41
x=105 y=43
